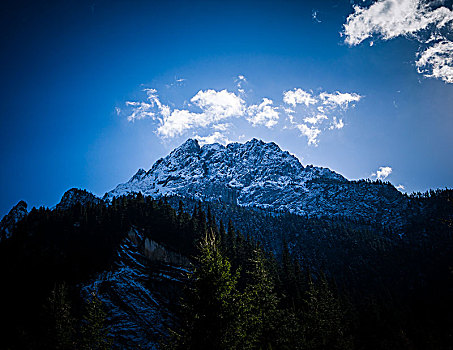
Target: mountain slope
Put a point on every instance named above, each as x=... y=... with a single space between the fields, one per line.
x=258 y=174
x=10 y=220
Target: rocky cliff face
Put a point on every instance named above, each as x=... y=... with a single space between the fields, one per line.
x=140 y=290
x=259 y=174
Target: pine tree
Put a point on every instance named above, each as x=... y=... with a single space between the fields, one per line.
x=94 y=333
x=223 y=237
x=261 y=304
x=62 y=321
x=211 y=303
x=324 y=319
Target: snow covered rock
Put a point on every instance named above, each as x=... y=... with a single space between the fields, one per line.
x=259 y=174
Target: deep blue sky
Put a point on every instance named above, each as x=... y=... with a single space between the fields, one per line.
x=67 y=65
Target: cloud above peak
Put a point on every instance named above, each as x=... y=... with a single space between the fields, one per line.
x=216 y=137
x=263 y=114
x=320 y=112
x=382 y=173
x=216 y=115
x=218 y=105
x=429 y=24
x=213 y=107
x=338 y=99
x=298 y=96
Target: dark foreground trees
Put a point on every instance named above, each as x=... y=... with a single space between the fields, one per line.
x=67 y=332
x=336 y=284
x=240 y=308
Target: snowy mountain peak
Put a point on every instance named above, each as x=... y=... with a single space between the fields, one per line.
x=260 y=174
x=190 y=146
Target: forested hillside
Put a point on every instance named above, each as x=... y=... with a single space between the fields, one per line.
x=259 y=280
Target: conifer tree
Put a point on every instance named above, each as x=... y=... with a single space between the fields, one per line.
x=62 y=321
x=261 y=303
x=211 y=305
x=324 y=319
x=94 y=333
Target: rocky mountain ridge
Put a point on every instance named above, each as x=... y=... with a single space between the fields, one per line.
x=259 y=174
x=253 y=174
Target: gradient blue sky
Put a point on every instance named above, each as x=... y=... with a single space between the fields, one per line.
x=68 y=66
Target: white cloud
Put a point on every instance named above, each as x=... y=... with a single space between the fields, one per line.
x=240 y=82
x=315 y=119
x=338 y=99
x=140 y=110
x=154 y=100
x=177 y=122
x=310 y=132
x=222 y=126
x=337 y=124
x=216 y=137
x=288 y=110
x=314 y=16
x=437 y=61
x=178 y=82
x=393 y=18
x=382 y=173
x=298 y=96
x=320 y=109
x=216 y=106
x=417 y=19
x=400 y=187
x=214 y=113
x=219 y=105
x=263 y=114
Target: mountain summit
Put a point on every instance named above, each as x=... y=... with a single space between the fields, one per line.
x=260 y=174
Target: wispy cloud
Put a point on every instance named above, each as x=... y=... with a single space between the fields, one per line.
x=400 y=187
x=241 y=81
x=315 y=16
x=222 y=126
x=317 y=111
x=336 y=124
x=178 y=82
x=216 y=113
x=310 y=132
x=315 y=119
x=140 y=110
x=429 y=23
x=338 y=99
x=437 y=61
